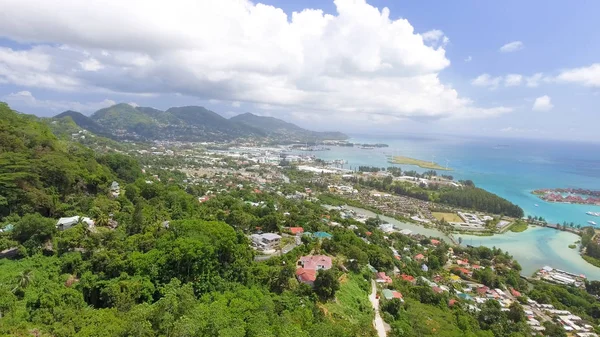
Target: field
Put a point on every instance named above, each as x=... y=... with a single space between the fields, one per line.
x=519 y=226
x=449 y=217
x=352 y=302
x=417 y=162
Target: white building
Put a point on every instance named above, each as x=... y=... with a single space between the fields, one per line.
x=66 y=223
x=266 y=241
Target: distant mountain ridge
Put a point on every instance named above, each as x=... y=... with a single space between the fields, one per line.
x=278 y=127
x=191 y=123
x=83 y=121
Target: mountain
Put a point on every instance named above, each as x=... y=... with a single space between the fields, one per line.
x=82 y=121
x=278 y=127
x=190 y=123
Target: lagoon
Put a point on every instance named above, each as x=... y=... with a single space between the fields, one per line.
x=533 y=249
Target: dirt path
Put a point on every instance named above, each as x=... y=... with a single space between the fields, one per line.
x=378 y=321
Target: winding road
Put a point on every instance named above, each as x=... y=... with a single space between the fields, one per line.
x=378 y=321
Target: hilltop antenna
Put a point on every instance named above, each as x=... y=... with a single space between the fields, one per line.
x=447 y=161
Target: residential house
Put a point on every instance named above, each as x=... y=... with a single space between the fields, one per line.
x=408 y=278
x=310 y=265
x=266 y=241
x=381 y=277
x=66 y=223
x=391 y=294
x=296 y=230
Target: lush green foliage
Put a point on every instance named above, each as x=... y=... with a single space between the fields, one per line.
x=39 y=173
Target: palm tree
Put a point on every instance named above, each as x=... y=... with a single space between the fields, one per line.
x=24 y=279
x=102 y=220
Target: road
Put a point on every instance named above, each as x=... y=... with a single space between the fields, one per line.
x=378 y=321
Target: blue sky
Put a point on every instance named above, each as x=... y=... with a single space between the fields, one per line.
x=419 y=66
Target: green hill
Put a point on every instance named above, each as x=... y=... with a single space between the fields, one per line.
x=282 y=129
x=124 y=117
x=39 y=172
x=82 y=121
x=191 y=123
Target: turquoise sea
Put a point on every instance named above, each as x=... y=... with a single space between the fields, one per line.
x=509 y=168
x=512 y=169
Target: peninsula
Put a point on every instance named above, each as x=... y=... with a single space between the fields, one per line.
x=417 y=162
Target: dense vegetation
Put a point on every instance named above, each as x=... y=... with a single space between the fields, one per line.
x=466 y=197
x=39 y=173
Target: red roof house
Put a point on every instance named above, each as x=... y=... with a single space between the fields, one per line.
x=383 y=278
x=307 y=276
x=452 y=302
x=419 y=257
x=435 y=242
x=296 y=230
x=315 y=262
x=310 y=265
x=408 y=278
x=515 y=293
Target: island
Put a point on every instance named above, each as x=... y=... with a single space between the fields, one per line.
x=569 y=195
x=417 y=162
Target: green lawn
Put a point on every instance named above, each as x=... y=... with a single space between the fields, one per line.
x=519 y=226
x=352 y=303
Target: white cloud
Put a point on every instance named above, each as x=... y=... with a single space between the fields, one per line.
x=542 y=103
x=485 y=80
x=32 y=68
x=236 y=104
x=358 y=61
x=512 y=80
x=468 y=59
x=512 y=47
x=534 y=80
x=435 y=37
x=91 y=64
x=133 y=104
x=26 y=99
x=588 y=76
x=510 y=129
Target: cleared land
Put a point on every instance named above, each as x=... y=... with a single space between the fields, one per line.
x=352 y=303
x=417 y=162
x=449 y=217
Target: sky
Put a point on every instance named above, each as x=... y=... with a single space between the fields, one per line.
x=525 y=69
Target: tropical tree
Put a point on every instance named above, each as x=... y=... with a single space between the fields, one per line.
x=102 y=220
x=24 y=279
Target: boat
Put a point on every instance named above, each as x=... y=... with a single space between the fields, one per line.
x=592 y=223
x=593 y=213
x=536 y=205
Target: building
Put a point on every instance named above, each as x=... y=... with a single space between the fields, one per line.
x=391 y=294
x=296 y=230
x=266 y=241
x=322 y=235
x=115 y=189
x=66 y=223
x=383 y=278
x=309 y=267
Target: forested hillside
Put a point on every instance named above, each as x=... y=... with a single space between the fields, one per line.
x=39 y=173
x=156 y=263
x=190 y=123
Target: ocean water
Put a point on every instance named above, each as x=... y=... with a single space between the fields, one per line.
x=511 y=169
